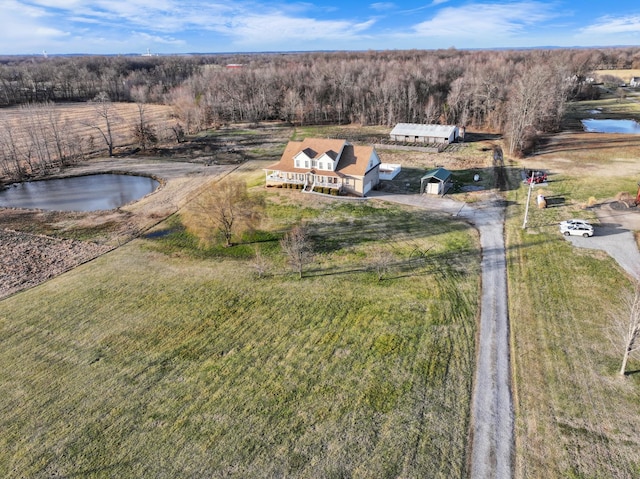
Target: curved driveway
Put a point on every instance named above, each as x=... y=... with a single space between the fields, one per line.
x=492 y=444
x=492 y=410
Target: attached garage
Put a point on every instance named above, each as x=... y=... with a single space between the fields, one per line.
x=436 y=182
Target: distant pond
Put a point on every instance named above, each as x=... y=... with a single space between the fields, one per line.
x=611 y=126
x=78 y=193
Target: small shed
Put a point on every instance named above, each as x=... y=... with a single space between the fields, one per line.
x=423 y=133
x=436 y=182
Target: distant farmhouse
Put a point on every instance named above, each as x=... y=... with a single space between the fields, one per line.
x=326 y=166
x=420 y=133
x=634 y=82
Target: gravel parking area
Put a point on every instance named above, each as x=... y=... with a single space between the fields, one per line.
x=614 y=235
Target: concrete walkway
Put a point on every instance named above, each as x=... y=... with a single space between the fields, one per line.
x=492 y=444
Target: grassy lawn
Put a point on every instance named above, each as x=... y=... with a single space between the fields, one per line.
x=161 y=359
x=575 y=417
x=152 y=361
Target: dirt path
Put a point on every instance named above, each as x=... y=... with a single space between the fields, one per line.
x=492 y=411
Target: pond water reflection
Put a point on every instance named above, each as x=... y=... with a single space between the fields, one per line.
x=611 y=126
x=78 y=193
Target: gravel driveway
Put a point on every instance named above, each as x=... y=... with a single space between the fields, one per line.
x=614 y=235
x=492 y=443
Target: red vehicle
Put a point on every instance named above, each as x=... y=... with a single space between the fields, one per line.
x=536 y=176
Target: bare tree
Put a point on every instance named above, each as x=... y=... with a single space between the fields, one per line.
x=632 y=334
x=297 y=247
x=11 y=154
x=105 y=113
x=223 y=208
x=59 y=132
x=381 y=260
x=260 y=263
x=143 y=132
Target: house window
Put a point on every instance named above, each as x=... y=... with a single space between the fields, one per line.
x=321 y=165
x=297 y=163
x=314 y=163
x=306 y=163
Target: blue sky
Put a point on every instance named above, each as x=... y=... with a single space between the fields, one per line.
x=199 y=26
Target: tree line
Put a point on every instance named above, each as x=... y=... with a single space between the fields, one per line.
x=515 y=92
x=518 y=93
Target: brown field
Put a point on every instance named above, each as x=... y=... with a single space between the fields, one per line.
x=81 y=118
x=624 y=75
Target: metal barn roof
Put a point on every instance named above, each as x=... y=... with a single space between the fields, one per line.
x=417 y=129
x=440 y=174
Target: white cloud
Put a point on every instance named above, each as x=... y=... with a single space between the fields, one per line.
x=155 y=39
x=614 y=25
x=484 y=20
x=27 y=27
x=252 y=29
x=382 y=6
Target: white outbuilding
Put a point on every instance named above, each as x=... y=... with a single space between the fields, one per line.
x=424 y=133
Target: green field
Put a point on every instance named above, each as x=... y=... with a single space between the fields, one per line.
x=154 y=361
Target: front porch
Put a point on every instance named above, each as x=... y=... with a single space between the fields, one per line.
x=304 y=181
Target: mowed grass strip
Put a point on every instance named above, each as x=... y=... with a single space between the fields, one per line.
x=142 y=364
x=575 y=417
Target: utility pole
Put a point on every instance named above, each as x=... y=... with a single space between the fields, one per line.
x=526 y=209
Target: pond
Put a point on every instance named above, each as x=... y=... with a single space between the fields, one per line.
x=611 y=126
x=78 y=193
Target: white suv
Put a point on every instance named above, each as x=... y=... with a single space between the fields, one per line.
x=576 y=229
x=574 y=221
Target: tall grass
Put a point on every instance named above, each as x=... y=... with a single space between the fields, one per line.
x=150 y=362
